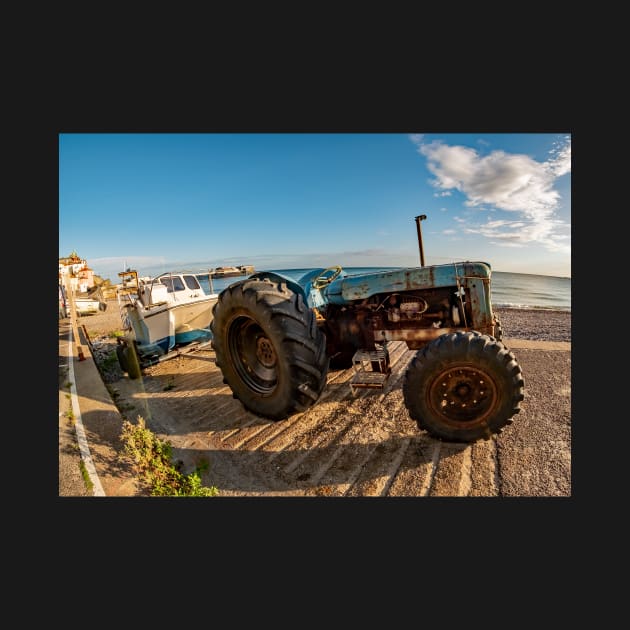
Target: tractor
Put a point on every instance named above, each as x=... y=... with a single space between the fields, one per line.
x=275 y=338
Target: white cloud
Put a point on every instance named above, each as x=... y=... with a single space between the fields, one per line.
x=507 y=181
x=560 y=162
x=445 y=193
x=120 y=263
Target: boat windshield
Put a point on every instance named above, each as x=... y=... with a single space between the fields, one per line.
x=192 y=283
x=173 y=283
x=176 y=283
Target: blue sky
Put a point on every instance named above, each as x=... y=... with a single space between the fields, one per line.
x=159 y=202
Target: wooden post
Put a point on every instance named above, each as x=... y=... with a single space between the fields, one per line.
x=73 y=318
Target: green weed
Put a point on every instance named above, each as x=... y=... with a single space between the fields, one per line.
x=152 y=459
x=109 y=361
x=86 y=477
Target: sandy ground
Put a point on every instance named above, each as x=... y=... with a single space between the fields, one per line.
x=356 y=445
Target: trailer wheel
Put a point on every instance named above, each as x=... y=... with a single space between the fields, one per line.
x=128 y=359
x=269 y=348
x=122 y=358
x=463 y=387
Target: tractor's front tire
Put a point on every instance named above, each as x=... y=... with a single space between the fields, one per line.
x=463 y=387
x=269 y=348
x=498 y=329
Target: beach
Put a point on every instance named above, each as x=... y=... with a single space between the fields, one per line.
x=535 y=324
x=362 y=444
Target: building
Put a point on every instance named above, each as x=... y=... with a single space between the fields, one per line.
x=76 y=272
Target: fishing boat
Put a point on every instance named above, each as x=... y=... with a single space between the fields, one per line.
x=161 y=315
x=228 y=272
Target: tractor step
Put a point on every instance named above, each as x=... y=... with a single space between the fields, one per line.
x=365 y=376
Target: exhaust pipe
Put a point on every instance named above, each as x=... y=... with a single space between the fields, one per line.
x=419 y=218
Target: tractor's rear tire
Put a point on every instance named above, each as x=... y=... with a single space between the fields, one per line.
x=269 y=348
x=463 y=387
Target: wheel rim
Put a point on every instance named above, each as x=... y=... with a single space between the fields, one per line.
x=463 y=395
x=253 y=355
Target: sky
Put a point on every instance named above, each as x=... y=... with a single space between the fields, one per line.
x=166 y=202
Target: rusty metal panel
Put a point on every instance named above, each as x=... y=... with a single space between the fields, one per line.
x=407 y=334
x=479 y=296
x=362 y=286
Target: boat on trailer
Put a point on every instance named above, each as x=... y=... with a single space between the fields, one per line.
x=162 y=317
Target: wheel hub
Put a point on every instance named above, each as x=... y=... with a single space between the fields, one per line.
x=265 y=352
x=252 y=355
x=463 y=394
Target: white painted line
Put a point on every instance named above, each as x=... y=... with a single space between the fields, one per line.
x=81 y=437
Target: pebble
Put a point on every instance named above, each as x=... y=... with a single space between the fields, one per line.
x=535 y=324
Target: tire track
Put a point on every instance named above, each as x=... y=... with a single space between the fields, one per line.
x=377 y=473
x=313 y=415
x=416 y=470
x=340 y=463
x=349 y=443
x=452 y=466
x=484 y=473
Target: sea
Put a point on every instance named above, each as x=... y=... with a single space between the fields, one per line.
x=508 y=290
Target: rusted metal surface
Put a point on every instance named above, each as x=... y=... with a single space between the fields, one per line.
x=411 y=335
x=415 y=305
x=362 y=286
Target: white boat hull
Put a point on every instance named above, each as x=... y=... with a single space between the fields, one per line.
x=164 y=313
x=160 y=328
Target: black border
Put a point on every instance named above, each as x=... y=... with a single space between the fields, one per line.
x=416 y=104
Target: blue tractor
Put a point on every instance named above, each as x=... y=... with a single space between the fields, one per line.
x=275 y=339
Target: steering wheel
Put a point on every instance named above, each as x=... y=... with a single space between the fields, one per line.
x=321 y=281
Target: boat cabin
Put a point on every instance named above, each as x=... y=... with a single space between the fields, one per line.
x=170 y=287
